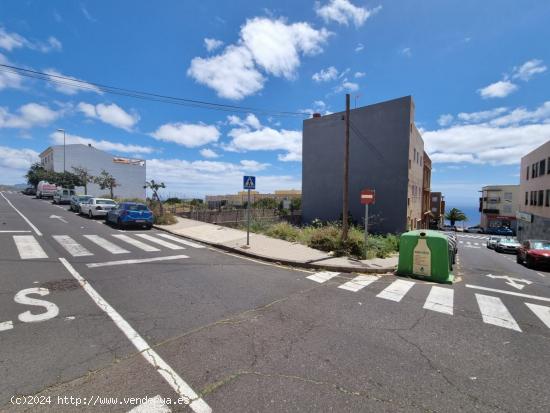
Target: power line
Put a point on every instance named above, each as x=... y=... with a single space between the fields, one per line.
x=137 y=94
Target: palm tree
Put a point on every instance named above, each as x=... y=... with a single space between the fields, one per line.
x=154 y=187
x=455 y=215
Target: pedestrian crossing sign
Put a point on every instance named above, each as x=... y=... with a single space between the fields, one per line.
x=249 y=182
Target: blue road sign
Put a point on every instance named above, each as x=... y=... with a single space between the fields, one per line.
x=249 y=182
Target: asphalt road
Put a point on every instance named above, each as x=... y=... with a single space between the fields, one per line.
x=234 y=334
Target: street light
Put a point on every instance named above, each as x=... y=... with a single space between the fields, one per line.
x=63 y=130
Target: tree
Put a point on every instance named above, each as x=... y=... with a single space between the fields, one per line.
x=295 y=204
x=266 y=203
x=455 y=215
x=155 y=186
x=84 y=176
x=36 y=174
x=64 y=179
x=106 y=181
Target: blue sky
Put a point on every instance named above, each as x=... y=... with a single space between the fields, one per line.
x=477 y=71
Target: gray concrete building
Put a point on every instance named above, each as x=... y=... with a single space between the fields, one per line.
x=386 y=154
x=129 y=173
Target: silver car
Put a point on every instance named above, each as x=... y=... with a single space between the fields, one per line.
x=507 y=245
x=492 y=242
x=97 y=207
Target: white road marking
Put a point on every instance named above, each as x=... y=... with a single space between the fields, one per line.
x=440 y=299
x=541 y=274
x=461 y=242
x=59 y=218
x=28 y=247
x=495 y=312
x=161 y=242
x=358 y=283
x=23 y=216
x=21 y=297
x=476 y=243
x=152 y=405
x=6 y=325
x=396 y=290
x=197 y=404
x=322 y=276
x=183 y=241
x=136 y=261
x=12 y=231
x=511 y=281
x=136 y=243
x=72 y=247
x=106 y=245
x=495 y=290
x=541 y=312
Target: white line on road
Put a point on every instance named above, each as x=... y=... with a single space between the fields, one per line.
x=23 y=216
x=12 y=231
x=396 y=290
x=541 y=274
x=136 y=261
x=6 y=325
x=495 y=312
x=494 y=290
x=136 y=243
x=28 y=247
x=440 y=299
x=322 y=276
x=541 y=312
x=161 y=242
x=152 y=405
x=106 y=245
x=183 y=241
x=72 y=247
x=359 y=283
x=197 y=404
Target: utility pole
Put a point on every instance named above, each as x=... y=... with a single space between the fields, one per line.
x=345 y=203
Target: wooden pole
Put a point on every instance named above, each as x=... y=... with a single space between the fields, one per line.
x=345 y=203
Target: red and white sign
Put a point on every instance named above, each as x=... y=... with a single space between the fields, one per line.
x=367 y=196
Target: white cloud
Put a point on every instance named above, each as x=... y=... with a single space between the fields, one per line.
x=209 y=153
x=406 y=52
x=359 y=47
x=359 y=75
x=10 y=41
x=265 y=44
x=499 y=140
x=187 y=134
x=111 y=114
x=212 y=44
x=104 y=145
x=527 y=70
x=28 y=116
x=325 y=75
x=9 y=79
x=344 y=12
x=253 y=166
x=87 y=14
x=499 y=89
x=346 y=86
x=14 y=163
x=69 y=85
x=445 y=120
x=252 y=136
x=318 y=107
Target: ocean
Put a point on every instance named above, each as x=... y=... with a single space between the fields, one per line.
x=472 y=212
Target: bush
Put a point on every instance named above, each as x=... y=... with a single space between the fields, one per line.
x=166 y=219
x=173 y=200
x=283 y=230
x=325 y=239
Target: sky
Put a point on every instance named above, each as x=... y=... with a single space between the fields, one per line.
x=478 y=72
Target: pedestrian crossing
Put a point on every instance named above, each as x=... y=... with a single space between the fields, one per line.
x=440 y=299
x=472 y=236
x=29 y=248
x=471 y=244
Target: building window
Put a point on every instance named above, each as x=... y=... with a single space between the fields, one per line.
x=508 y=196
x=434 y=199
x=409 y=164
x=548 y=164
x=408 y=201
x=535 y=170
x=547 y=198
x=527 y=177
x=434 y=209
x=542 y=167
x=532 y=199
x=507 y=209
x=541 y=198
x=526 y=198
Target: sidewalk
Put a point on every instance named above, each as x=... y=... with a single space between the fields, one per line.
x=274 y=250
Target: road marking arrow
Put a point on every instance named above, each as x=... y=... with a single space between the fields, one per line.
x=511 y=281
x=59 y=218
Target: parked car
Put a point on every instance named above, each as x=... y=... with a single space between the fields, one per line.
x=504 y=231
x=130 y=213
x=63 y=196
x=492 y=242
x=76 y=200
x=534 y=253
x=448 y=228
x=29 y=191
x=96 y=207
x=45 y=190
x=507 y=245
x=475 y=229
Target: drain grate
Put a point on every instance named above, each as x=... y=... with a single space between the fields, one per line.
x=66 y=284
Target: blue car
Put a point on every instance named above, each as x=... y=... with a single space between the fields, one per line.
x=505 y=231
x=130 y=213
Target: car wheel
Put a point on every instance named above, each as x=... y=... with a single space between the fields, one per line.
x=118 y=223
x=529 y=262
x=518 y=259
x=148 y=226
x=90 y=215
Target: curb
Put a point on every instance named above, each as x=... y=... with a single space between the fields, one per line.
x=290 y=263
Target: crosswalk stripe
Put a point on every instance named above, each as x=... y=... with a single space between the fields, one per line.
x=440 y=299
x=106 y=245
x=152 y=405
x=136 y=243
x=183 y=241
x=541 y=312
x=495 y=312
x=28 y=247
x=161 y=242
x=6 y=325
x=396 y=290
x=359 y=282
x=322 y=276
x=72 y=247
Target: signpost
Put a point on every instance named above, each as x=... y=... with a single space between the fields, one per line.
x=249 y=182
x=367 y=198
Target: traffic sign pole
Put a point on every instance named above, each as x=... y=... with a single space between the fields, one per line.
x=366 y=229
x=248 y=219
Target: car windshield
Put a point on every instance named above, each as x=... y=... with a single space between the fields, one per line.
x=540 y=245
x=105 y=202
x=509 y=241
x=84 y=198
x=137 y=207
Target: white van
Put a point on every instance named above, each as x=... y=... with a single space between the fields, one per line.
x=45 y=189
x=63 y=196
